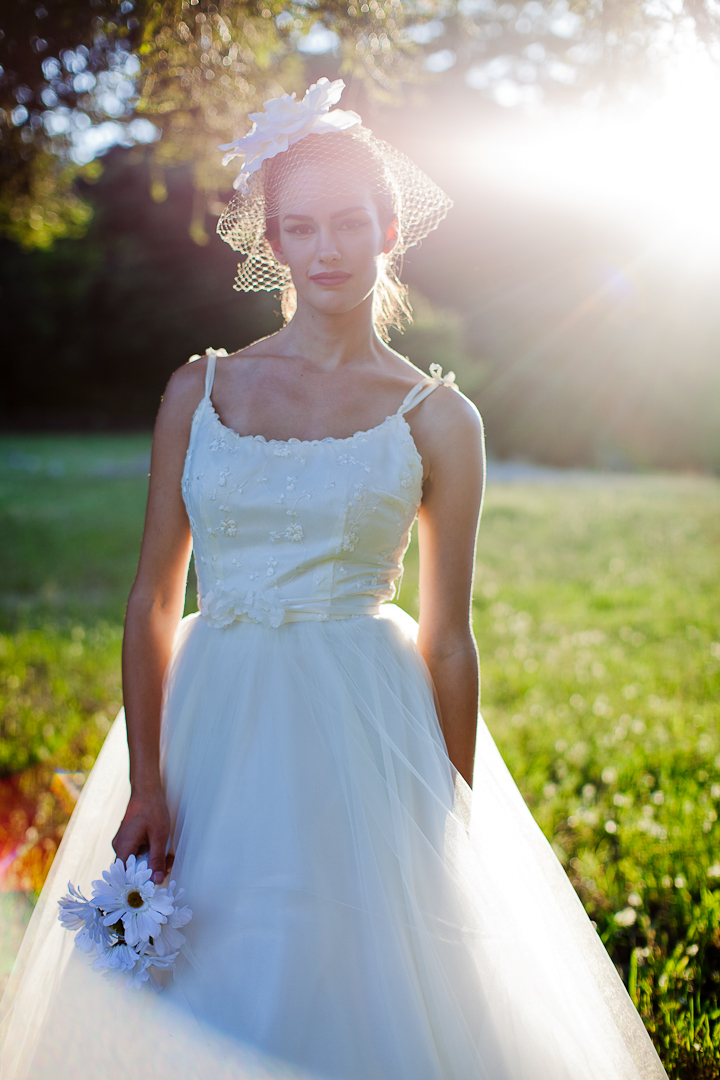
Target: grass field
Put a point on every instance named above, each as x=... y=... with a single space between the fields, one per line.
x=597 y=614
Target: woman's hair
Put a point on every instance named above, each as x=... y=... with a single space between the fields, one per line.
x=342 y=162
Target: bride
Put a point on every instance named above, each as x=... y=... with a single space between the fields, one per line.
x=372 y=899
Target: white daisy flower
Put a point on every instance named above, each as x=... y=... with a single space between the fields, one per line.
x=128 y=894
x=126 y=965
x=77 y=913
x=169 y=939
x=132 y=966
x=139 y=974
x=131 y=926
x=117 y=958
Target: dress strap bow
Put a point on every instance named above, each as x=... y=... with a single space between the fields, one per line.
x=421 y=390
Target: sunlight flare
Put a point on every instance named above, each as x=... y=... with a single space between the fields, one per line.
x=654 y=164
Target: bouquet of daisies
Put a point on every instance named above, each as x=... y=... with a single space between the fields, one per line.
x=129 y=925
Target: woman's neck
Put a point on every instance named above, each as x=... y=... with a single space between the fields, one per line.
x=333 y=341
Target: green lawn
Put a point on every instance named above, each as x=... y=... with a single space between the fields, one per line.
x=597 y=615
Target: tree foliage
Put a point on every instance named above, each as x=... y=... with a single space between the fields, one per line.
x=51 y=54
x=205 y=66
x=195 y=68
x=191 y=67
x=590 y=50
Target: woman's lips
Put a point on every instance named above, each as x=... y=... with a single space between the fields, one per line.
x=332 y=277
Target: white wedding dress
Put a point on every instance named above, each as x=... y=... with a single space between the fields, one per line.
x=359 y=914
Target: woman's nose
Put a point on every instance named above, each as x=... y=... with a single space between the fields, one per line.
x=327 y=246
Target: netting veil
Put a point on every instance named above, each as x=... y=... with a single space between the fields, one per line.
x=329 y=153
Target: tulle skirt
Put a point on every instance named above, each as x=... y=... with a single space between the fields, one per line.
x=359 y=914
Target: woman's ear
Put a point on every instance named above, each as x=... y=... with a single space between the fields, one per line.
x=277 y=250
x=391 y=237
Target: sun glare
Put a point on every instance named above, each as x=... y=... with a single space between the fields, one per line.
x=657 y=165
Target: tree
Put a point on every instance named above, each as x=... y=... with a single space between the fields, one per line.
x=195 y=68
x=570 y=50
x=51 y=54
x=192 y=67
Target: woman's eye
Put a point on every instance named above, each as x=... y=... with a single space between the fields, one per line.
x=299 y=230
x=352 y=223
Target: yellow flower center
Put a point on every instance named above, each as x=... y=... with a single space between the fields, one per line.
x=134 y=899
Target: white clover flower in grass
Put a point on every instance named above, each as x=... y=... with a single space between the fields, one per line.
x=128 y=893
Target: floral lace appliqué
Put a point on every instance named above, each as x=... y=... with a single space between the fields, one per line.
x=286 y=531
x=350 y=459
x=293 y=532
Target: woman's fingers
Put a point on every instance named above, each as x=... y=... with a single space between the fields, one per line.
x=129 y=838
x=146 y=825
x=157 y=860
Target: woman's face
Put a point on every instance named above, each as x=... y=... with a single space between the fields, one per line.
x=332 y=247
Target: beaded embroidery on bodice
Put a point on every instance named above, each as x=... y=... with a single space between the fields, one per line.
x=293 y=530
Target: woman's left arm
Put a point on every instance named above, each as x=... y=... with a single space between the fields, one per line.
x=450 y=437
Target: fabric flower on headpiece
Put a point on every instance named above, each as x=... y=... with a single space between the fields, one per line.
x=286 y=121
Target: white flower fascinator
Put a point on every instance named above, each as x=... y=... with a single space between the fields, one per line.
x=285 y=121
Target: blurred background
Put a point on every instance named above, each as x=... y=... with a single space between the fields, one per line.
x=574 y=285
x=574 y=290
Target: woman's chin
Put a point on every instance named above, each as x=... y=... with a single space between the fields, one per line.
x=338 y=300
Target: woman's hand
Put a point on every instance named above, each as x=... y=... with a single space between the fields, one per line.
x=146 y=824
x=154 y=611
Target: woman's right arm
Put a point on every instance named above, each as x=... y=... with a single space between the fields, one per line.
x=154 y=611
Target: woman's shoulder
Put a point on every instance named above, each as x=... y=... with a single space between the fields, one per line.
x=187 y=383
x=189 y=379
x=450 y=414
x=447 y=426
x=446 y=403
x=458 y=405
x=195 y=367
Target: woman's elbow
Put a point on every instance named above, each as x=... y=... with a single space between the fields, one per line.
x=457 y=644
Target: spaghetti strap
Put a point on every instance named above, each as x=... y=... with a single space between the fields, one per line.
x=210 y=371
x=212 y=355
x=424 y=388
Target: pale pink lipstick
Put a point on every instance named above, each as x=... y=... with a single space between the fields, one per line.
x=331 y=277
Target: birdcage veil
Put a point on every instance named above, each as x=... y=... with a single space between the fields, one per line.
x=302 y=151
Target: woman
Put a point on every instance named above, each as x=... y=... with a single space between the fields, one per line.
x=308 y=765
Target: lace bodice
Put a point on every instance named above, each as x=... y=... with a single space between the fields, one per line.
x=290 y=530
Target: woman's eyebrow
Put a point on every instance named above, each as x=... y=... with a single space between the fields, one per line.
x=337 y=214
x=348 y=210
